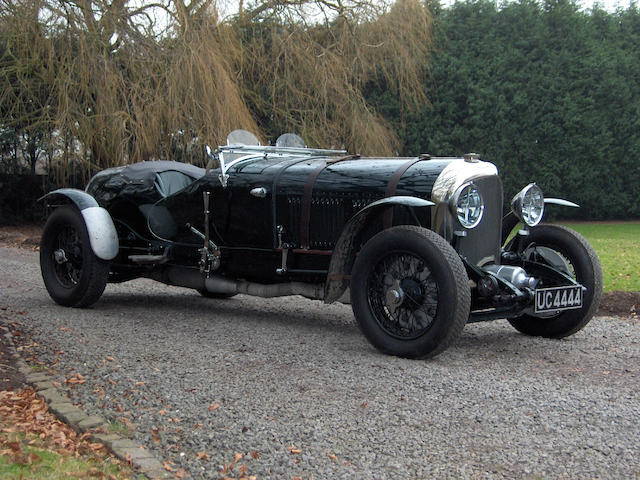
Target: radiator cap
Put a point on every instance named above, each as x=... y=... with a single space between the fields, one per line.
x=471 y=157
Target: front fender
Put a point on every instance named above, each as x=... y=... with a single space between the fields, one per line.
x=102 y=232
x=344 y=251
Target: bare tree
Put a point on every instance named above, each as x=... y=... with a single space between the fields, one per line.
x=304 y=65
x=107 y=83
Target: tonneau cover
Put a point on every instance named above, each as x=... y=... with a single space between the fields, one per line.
x=144 y=182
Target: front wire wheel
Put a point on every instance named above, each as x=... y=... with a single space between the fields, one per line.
x=73 y=275
x=403 y=295
x=410 y=292
x=567 y=251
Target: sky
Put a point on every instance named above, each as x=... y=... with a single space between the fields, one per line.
x=230 y=7
x=608 y=5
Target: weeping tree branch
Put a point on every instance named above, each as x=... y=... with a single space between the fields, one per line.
x=108 y=87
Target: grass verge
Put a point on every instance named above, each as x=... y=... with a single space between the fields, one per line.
x=618 y=246
x=41 y=463
x=36 y=445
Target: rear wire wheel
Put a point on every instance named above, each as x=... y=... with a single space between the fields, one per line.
x=410 y=292
x=73 y=275
x=576 y=257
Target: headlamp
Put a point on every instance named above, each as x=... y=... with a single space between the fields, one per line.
x=468 y=205
x=528 y=205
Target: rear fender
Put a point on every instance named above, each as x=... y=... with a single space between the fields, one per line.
x=102 y=232
x=344 y=253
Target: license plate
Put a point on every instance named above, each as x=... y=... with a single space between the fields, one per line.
x=558 y=298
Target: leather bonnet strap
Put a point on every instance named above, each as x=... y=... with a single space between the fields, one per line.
x=387 y=219
x=305 y=214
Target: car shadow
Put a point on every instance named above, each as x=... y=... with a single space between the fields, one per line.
x=282 y=310
x=178 y=309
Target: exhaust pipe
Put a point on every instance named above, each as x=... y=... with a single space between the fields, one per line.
x=218 y=284
x=192 y=278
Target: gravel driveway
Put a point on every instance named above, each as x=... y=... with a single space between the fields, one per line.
x=294 y=388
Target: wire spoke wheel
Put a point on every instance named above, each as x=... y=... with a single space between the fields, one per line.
x=403 y=295
x=552 y=257
x=67 y=257
x=73 y=275
x=569 y=252
x=410 y=292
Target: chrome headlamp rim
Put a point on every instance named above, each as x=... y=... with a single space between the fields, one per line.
x=454 y=204
x=523 y=209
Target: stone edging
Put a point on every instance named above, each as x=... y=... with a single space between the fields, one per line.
x=141 y=459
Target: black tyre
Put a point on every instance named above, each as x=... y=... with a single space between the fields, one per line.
x=73 y=275
x=578 y=259
x=219 y=296
x=410 y=292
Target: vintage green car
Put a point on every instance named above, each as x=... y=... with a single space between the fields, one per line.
x=419 y=246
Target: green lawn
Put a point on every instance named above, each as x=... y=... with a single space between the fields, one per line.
x=31 y=457
x=618 y=246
